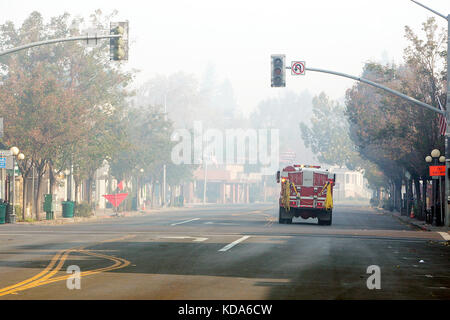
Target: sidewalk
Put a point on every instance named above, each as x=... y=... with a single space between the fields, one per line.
x=415 y=222
x=101 y=214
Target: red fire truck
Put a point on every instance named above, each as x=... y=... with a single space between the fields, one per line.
x=307 y=192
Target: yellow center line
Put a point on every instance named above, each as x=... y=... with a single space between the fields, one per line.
x=119 y=263
x=42 y=273
x=37 y=282
x=44 y=276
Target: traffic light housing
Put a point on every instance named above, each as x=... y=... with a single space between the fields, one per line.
x=119 y=46
x=278 y=70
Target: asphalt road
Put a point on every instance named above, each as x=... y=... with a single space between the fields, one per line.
x=226 y=252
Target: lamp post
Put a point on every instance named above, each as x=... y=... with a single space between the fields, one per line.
x=15 y=152
x=434 y=159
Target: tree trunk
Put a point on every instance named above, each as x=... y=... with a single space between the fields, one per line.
x=24 y=195
x=418 y=197
x=398 y=195
x=51 y=176
x=36 y=196
x=409 y=196
x=424 y=200
x=76 y=190
x=89 y=190
x=153 y=195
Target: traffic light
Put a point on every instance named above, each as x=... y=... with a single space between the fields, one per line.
x=119 y=46
x=278 y=70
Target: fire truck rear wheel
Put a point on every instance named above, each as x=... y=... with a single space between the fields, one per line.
x=280 y=219
x=283 y=220
x=326 y=222
x=331 y=219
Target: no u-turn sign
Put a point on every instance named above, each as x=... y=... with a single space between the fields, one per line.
x=298 y=68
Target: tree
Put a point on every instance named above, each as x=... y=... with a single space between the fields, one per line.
x=391 y=132
x=328 y=136
x=56 y=96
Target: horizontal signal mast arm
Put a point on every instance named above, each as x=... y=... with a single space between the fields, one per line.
x=40 y=43
x=399 y=94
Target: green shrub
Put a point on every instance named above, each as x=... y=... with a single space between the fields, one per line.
x=82 y=209
x=18 y=210
x=27 y=219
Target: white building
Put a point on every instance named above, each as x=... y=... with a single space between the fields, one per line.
x=350 y=185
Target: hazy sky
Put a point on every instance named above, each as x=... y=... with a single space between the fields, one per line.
x=238 y=37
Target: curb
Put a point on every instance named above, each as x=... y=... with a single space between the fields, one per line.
x=405 y=220
x=60 y=220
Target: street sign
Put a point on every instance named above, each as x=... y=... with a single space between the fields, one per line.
x=298 y=68
x=2 y=163
x=437 y=171
x=8 y=159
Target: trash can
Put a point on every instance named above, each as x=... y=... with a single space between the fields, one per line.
x=49 y=205
x=67 y=209
x=2 y=213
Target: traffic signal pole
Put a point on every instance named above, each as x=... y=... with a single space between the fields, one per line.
x=377 y=85
x=45 y=42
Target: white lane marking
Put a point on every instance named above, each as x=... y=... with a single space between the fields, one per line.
x=174 y=224
x=445 y=235
x=222 y=223
x=196 y=239
x=231 y=245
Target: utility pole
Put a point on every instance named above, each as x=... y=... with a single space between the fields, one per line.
x=447 y=118
x=164 y=166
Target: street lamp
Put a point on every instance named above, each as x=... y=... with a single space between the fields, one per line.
x=434 y=160
x=435 y=153
x=15 y=152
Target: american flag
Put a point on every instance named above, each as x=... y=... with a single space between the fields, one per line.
x=442 y=120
